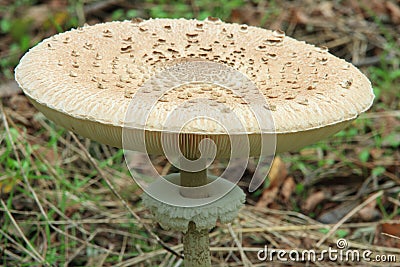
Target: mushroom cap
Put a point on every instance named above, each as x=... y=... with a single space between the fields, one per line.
x=85 y=80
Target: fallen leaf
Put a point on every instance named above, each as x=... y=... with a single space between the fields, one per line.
x=369 y=212
x=376 y=153
x=391 y=229
x=313 y=200
x=308 y=151
x=388 y=234
x=277 y=173
x=268 y=196
x=394 y=11
x=287 y=188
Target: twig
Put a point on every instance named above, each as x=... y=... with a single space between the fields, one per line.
x=348 y=216
x=3 y=251
x=33 y=256
x=245 y=260
x=389 y=235
x=228 y=249
x=378 y=115
x=292 y=228
x=82 y=221
x=138 y=259
x=123 y=247
x=372 y=60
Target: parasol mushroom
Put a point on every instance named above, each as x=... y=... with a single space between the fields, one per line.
x=193 y=91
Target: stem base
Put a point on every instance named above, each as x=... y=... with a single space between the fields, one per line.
x=196 y=247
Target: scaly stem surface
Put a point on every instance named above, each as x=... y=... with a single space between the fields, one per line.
x=196 y=245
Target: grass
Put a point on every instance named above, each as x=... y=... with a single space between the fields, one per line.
x=57 y=206
x=52 y=218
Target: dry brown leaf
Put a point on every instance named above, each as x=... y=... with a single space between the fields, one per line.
x=308 y=151
x=394 y=11
x=388 y=234
x=369 y=212
x=277 y=173
x=268 y=196
x=391 y=229
x=376 y=153
x=313 y=200
x=287 y=188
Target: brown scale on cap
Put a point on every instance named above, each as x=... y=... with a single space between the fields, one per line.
x=291 y=75
x=107 y=33
x=88 y=46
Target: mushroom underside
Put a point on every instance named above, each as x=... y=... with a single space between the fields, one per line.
x=113 y=135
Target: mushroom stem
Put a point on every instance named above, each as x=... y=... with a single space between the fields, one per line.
x=195 y=180
x=196 y=247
